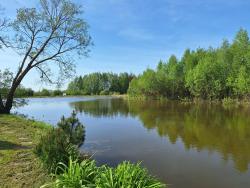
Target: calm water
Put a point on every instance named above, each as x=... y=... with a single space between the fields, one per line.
x=186 y=146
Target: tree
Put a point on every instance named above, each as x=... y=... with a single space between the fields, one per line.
x=49 y=35
x=207 y=79
x=174 y=76
x=242 y=82
x=145 y=85
x=100 y=83
x=73 y=128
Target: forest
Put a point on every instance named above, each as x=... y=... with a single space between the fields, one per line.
x=213 y=73
x=100 y=84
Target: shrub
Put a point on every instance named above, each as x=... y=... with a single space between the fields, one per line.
x=229 y=102
x=115 y=93
x=54 y=147
x=57 y=92
x=104 y=92
x=60 y=143
x=73 y=128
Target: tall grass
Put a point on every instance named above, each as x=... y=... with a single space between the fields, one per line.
x=77 y=174
x=127 y=175
x=87 y=174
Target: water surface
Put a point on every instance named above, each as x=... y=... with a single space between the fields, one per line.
x=185 y=145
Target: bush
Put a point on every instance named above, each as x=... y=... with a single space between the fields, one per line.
x=87 y=174
x=57 y=92
x=60 y=143
x=115 y=93
x=229 y=102
x=55 y=147
x=44 y=92
x=73 y=128
x=104 y=92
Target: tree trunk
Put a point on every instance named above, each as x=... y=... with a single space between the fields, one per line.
x=10 y=98
x=4 y=110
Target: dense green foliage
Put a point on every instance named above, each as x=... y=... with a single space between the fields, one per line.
x=87 y=174
x=48 y=93
x=60 y=143
x=24 y=92
x=28 y=92
x=206 y=74
x=73 y=128
x=100 y=83
x=55 y=147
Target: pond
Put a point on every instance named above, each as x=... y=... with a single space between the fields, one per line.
x=185 y=145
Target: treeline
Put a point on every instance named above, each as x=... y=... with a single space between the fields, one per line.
x=100 y=84
x=28 y=92
x=49 y=93
x=20 y=92
x=213 y=73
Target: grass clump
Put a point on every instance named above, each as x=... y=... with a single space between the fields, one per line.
x=76 y=174
x=87 y=174
x=127 y=175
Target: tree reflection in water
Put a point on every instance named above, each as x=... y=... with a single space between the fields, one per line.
x=201 y=126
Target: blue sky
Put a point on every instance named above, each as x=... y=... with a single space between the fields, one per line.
x=132 y=35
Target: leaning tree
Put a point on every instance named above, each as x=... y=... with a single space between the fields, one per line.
x=49 y=35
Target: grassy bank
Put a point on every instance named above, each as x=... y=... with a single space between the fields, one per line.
x=19 y=167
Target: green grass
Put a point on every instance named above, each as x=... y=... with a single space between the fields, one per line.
x=19 y=167
x=87 y=174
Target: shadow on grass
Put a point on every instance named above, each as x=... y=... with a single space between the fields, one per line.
x=5 y=145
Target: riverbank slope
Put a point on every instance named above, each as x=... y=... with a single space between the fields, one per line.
x=19 y=167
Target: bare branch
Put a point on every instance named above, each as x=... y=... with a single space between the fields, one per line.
x=24 y=59
x=44 y=74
